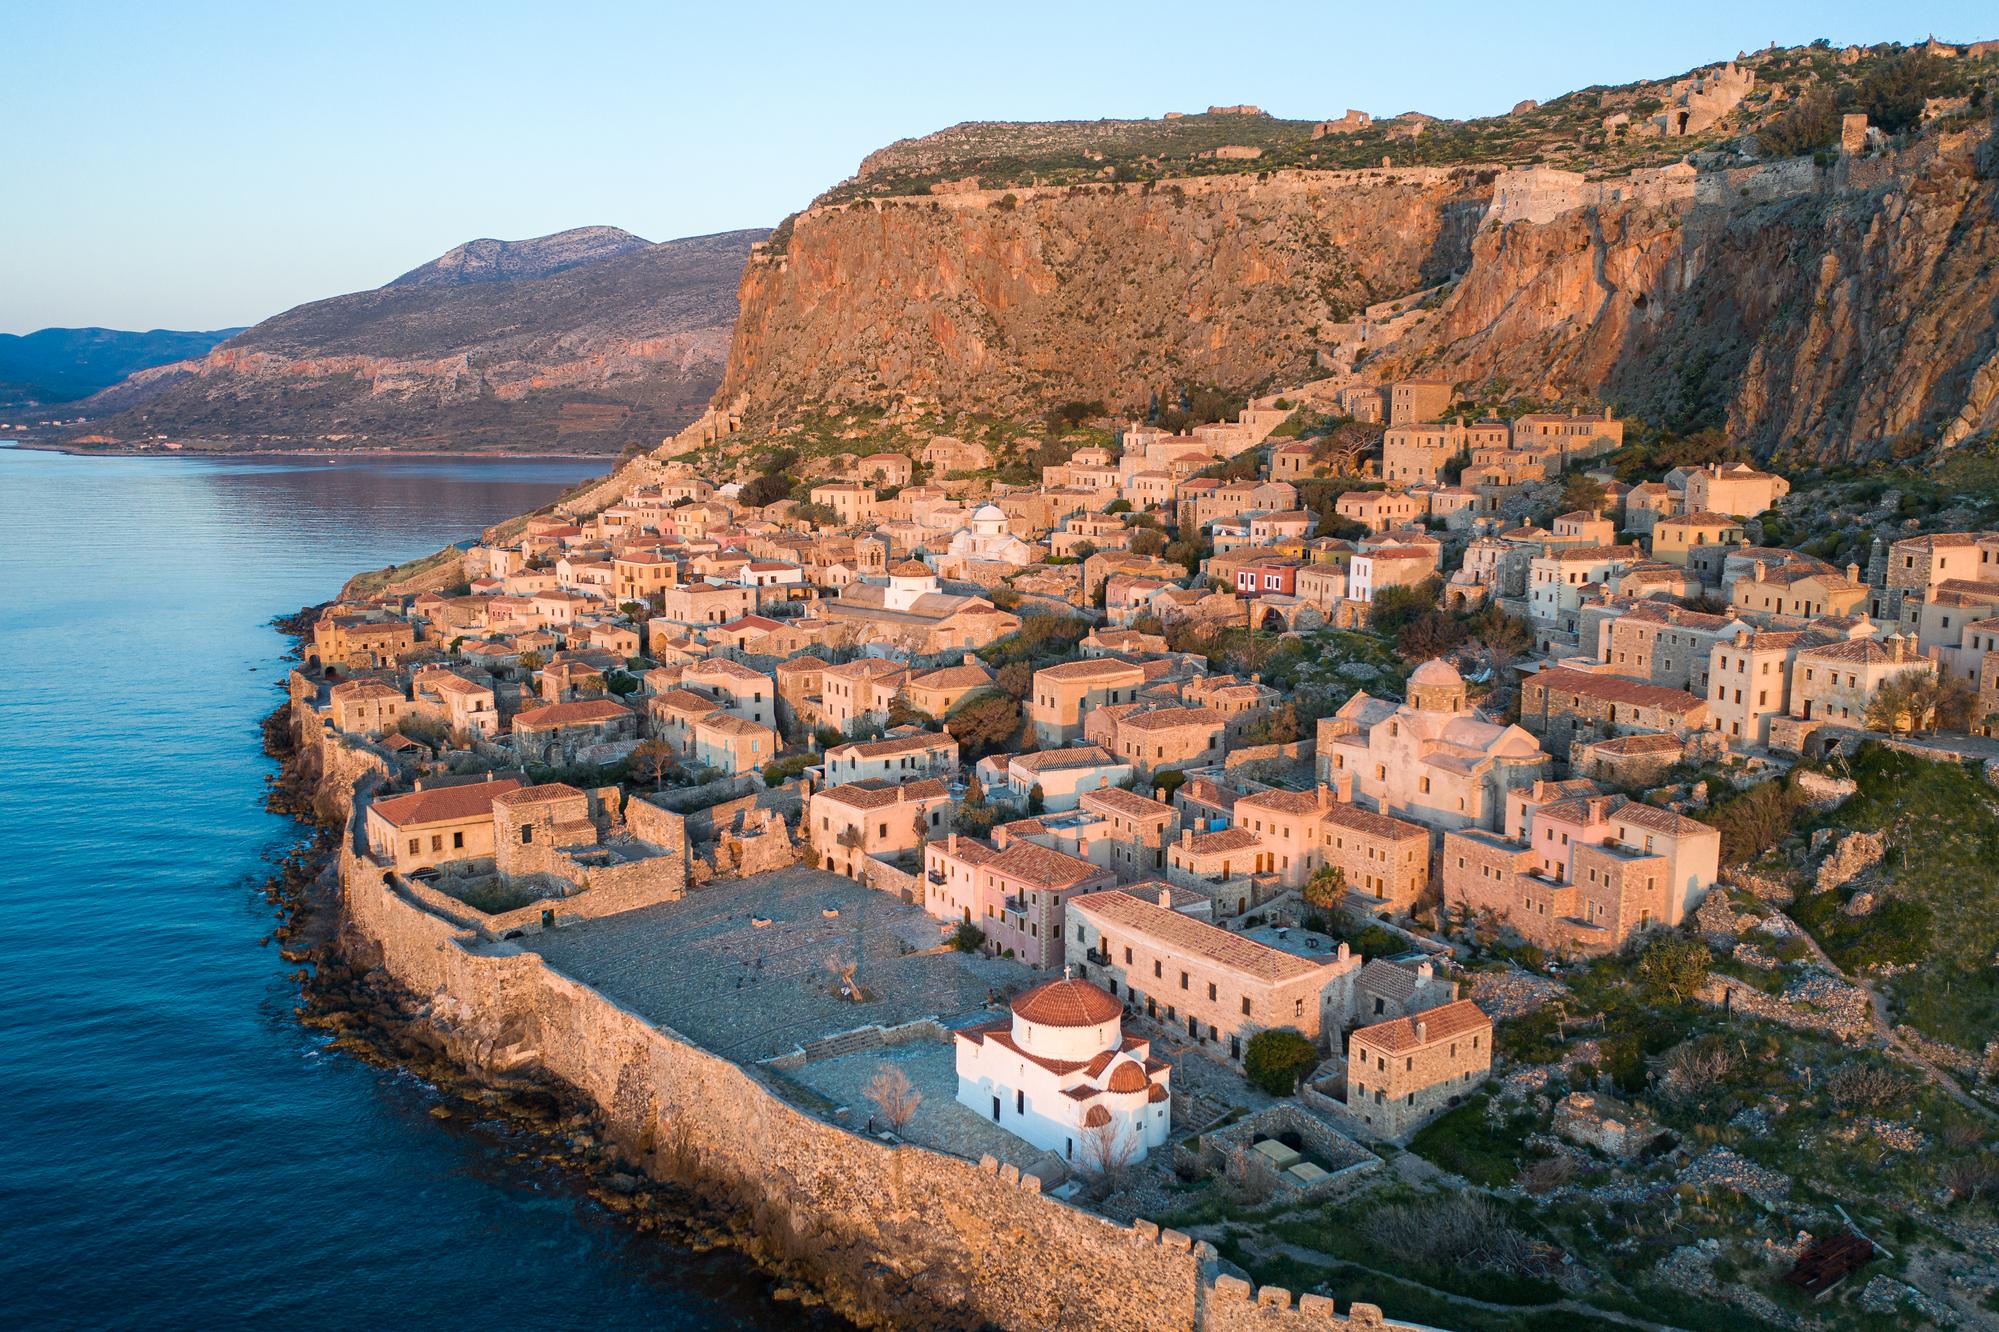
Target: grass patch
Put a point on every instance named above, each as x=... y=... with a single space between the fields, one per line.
x=1465 y=1142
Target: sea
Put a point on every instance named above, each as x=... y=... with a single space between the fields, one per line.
x=176 y=1150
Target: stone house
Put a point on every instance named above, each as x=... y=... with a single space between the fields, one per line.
x=898 y=758
x=1152 y=738
x=936 y=692
x=946 y=454
x=1014 y=892
x=733 y=744
x=1412 y=401
x=367 y=707
x=1749 y=682
x=1386 y=860
x=1836 y=682
x=367 y=641
x=1063 y=695
x=1561 y=705
x=1286 y=826
x=1135 y=832
x=1629 y=760
x=1379 y=510
x=885 y=470
x=1222 y=863
x=1064 y=775
x=736 y=688
x=1591 y=1119
x=859 y=692
x=1738 y=490
x=1404 y=1072
x=1916 y=563
x=1649 y=501
x=641 y=575
x=559 y=733
x=1384 y=990
x=705 y=603
x=852 y=501
x=1586 y=873
x=1663 y=644
x=1220 y=986
x=467 y=707
x=430 y=827
x=848 y=824
x=1797 y=590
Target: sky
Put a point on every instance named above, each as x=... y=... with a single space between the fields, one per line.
x=201 y=165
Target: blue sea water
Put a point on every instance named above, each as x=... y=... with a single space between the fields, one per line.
x=175 y=1150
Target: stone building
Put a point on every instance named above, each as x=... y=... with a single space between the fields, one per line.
x=1152 y=738
x=360 y=641
x=1404 y=1072
x=898 y=758
x=1063 y=695
x=431 y=827
x=1585 y=873
x=1749 y=682
x=1737 y=490
x=1061 y=1074
x=560 y=733
x=1561 y=705
x=1835 y=682
x=1014 y=892
x=1663 y=644
x=1064 y=775
x=732 y=744
x=1798 y=591
x=1385 y=860
x=1411 y=401
x=366 y=707
x=1219 y=986
x=847 y=824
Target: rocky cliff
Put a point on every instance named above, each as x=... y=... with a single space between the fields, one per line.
x=585 y=341
x=1008 y=300
x=1844 y=310
x=1845 y=307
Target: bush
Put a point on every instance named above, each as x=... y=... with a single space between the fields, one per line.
x=1277 y=1059
x=968 y=938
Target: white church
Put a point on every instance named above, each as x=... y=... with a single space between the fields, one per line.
x=1062 y=1075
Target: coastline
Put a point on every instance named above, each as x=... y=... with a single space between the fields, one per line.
x=881 y=1232
x=610 y=460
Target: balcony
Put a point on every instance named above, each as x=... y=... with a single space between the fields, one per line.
x=1097 y=957
x=935 y=876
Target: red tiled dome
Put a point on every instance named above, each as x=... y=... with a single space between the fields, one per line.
x=1097 y=1118
x=1128 y=1077
x=1067 y=1003
x=1157 y=1094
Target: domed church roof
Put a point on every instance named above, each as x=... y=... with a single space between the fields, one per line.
x=1067 y=1003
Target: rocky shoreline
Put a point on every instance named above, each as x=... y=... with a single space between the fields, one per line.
x=539 y=1123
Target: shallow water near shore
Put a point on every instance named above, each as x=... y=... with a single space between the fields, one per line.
x=179 y=1151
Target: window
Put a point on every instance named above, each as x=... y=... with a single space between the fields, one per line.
x=1211 y=990
x=1127 y=957
x=1183 y=980
x=1245 y=1005
x=458 y=841
x=1298 y=1008
x=416 y=845
x=1158 y=968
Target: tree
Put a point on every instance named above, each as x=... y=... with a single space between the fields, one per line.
x=968 y=938
x=984 y=724
x=1277 y=1059
x=1582 y=492
x=1673 y=966
x=1279 y=726
x=1396 y=606
x=1148 y=541
x=766 y=489
x=633 y=610
x=1037 y=800
x=1431 y=634
x=1893 y=707
x=532 y=660
x=654 y=759
x=894 y=1096
x=1015 y=679
x=1327 y=887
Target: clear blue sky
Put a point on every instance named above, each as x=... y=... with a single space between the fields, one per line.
x=196 y=165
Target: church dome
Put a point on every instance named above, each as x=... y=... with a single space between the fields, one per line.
x=1436 y=673
x=1127 y=1076
x=987 y=513
x=910 y=569
x=1097 y=1117
x=1067 y=1003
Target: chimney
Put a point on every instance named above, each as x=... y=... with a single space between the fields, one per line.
x=1186 y=837
x=1166 y=897
x=1422 y=1030
x=1852 y=573
x=951 y=844
x=1424 y=971
x=971 y=659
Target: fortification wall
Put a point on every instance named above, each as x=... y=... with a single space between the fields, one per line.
x=904 y=1233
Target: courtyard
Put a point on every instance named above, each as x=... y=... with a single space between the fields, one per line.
x=756 y=967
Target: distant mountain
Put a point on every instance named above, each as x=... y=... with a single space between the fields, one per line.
x=489 y=260
x=585 y=341
x=64 y=364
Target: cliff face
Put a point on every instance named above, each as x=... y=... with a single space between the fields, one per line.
x=584 y=341
x=990 y=301
x=1844 y=311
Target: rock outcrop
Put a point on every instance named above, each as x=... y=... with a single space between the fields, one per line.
x=1002 y=301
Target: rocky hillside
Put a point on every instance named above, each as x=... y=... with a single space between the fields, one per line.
x=1008 y=301
x=1747 y=274
x=584 y=341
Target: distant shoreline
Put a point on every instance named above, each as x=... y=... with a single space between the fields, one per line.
x=610 y=460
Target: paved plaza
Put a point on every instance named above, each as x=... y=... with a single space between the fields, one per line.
x=941 y=1122
x=753 y=967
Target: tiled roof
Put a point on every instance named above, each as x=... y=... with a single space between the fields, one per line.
x=1059 y=760
x=1092 y=668
x=1040 y=867
x=1614 y=689
x=874 y=793
x=443 y=804
x=1446 y=1022
x=1117 y=800
x=526 y=795
x=579 y=713
x=1223 y=839
x=1168 y=719
x=1370 y=824
x=1067 y=1003
x=1279 y=802
x=1183 y=936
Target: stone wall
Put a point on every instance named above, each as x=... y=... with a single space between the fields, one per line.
x=899 y=1233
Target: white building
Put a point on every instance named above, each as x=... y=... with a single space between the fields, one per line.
x=1062 y=1075
x=988 y=540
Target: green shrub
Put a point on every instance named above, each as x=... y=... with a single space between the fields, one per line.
x=1277 y=1059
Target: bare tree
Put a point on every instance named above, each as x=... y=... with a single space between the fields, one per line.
x=894 y=1096
x=1108 y=1152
